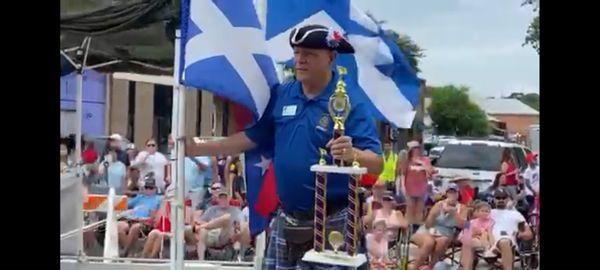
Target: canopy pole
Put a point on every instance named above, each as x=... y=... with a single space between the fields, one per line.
x=177 y=176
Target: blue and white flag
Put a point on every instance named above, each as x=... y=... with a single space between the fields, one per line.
x=378 y=67
x=223 y=50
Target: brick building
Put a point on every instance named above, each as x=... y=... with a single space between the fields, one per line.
x=515 y=114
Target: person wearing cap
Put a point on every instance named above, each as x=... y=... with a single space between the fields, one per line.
x=416 y=170
x=394 y=218
x=138 y=217
x=466 y=192
x=296 y=124
x=162 y=226
x=220 y=225
x=390 y=162
x=435 y=236
x=509 y=226
x=114 y=144
x=532 y=175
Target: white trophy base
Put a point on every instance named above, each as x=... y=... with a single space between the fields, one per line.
x=337 y=169
x=330 y=257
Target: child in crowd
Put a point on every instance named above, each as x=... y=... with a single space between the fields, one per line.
x=479 y=232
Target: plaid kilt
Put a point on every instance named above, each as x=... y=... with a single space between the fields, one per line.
x=275 y=258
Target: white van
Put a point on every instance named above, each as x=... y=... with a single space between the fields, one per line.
x=477 y=159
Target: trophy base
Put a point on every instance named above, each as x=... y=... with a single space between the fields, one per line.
x=337 y=169
x=330 y=257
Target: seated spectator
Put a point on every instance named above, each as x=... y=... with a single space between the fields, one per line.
x=162 y=227
x=394 y=219
x=133 y=182
x=509 y=225
x=221 y=225
x=377 y=245
x=137 y=219
x=478 y=235
x=89 y=155
x=440 y=226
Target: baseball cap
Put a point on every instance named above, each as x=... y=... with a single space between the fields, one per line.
x=116 y=137
x=501 y=193
x=412 y=144
x=452 y=186
x=530 y=157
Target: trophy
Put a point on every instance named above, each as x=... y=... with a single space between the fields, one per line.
x=344 y=251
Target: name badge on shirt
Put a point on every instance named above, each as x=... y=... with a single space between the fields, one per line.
x=289 y=110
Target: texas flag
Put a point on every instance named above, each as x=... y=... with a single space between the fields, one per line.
x=223 y=50
x=260 y=177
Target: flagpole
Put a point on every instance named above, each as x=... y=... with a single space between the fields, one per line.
x=177 y=130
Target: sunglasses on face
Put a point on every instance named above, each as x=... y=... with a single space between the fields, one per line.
x=149 y=188
x=215 y=188
x=500 y=198
x=151 y=145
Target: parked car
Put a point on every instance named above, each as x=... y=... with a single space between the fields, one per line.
x=477 y=159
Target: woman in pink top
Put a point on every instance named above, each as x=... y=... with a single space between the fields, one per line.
x=478 y=235
x=417 y=170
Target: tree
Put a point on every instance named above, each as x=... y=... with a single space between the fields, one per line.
x=531 y=99
x=454 y=114
x=407 y=46
x=411 y=50
x=533 y=31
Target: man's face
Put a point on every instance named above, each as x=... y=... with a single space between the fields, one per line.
x=149 y=190
x=115 y=144
x=500 y=201
x=222 y=200
x=312 y=63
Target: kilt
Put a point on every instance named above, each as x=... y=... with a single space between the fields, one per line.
x=276 y=259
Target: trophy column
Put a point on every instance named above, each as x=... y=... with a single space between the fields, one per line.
x=320 y=211
x=352 y=216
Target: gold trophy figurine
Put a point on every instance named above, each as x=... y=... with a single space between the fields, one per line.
x=339 y=108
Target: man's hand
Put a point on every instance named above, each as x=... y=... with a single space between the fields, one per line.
x=341 y=148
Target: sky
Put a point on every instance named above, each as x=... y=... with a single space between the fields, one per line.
x=476 y=43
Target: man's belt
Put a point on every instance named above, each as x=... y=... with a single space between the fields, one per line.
x=303 y=216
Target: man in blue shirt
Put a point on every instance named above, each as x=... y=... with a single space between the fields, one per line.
x=137 y=218
x=296 y=124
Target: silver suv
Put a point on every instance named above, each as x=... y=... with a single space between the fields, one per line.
x=477 y=159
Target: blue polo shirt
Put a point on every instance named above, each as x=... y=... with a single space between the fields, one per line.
x=296 y=127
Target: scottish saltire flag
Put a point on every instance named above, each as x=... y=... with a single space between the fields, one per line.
x=378 y=67
x=223 y=51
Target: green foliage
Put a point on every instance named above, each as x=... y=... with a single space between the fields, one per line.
x=533 y=31
x=454 y=114
x=532 y=99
